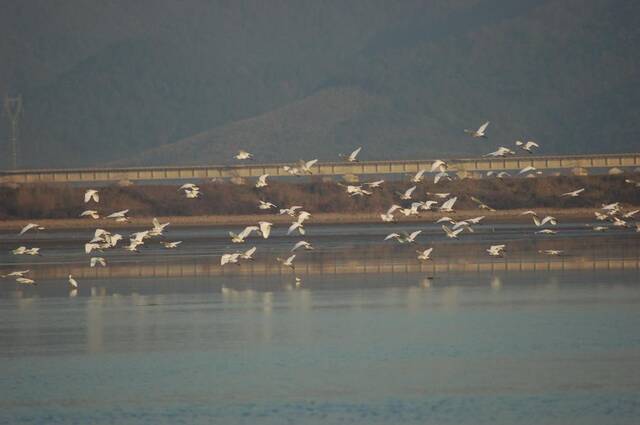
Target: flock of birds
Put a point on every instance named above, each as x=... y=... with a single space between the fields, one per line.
x=444 y=203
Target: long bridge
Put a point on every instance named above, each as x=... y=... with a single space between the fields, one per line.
x=586 y=163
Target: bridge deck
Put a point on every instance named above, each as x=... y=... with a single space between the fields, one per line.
x=564 y=162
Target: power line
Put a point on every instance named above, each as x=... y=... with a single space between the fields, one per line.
x=13 y=111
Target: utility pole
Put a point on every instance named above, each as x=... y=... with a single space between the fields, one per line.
x=13 y=110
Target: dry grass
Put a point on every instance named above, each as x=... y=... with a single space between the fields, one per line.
x=37 y=201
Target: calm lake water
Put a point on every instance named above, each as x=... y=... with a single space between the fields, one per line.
x=552 y=347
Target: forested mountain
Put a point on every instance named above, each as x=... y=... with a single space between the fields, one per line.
x=167 y=82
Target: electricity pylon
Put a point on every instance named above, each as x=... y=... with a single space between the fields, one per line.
x=13 y=110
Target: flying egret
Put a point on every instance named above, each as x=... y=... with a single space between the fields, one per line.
x=417 y=178
x=290 y=211
x=441 y=175
x=439 y=165
x=302 y=244
x=496 y=250
x=305 y=167
x=547 y=232
x=30 y=226
x=447 y=206
x=25 y=281
x=388 y=216
x=242 y=155
x=453 y=234
x=480 y=132
x=529 y=146
x=262 y=181
x=17 y=273
x=406 y=195
x=91 y=195
x=119 y=214
x=352 y=156
x=97 y=260
x=248 y=254
x=502 y=152
x=263 y=205
x=440 y=195
x=481 y=204
x=296 y=225
x=288 y=262
x=230 y=258
x=574 y=193
x=265 y=228
x=90 y=213
x=528 y=169
x=375 y=184
x=188 y=186
x=192 y=194
x=240 y=237
x=403 y=237
x=551 y=251
x=171 y=245
x=424 y=255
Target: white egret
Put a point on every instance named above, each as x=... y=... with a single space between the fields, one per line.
x=406 y=195
x=97 y=260
x=547 y=232
x=528 y=169
x=424 y=255
x=453 y=234
x=529 y=146
x=72 y=282
x=574 y=193
x=496 y=250
x=302 y=244
x=265 y=228
x=248 y=254
x=263 y=205
x=375 y=184
x=417 y=178
x=290 y=211
x=447 y=206
x=352 y=157
x=288 y=262
x=296 y=225
x=481 y=204
x=480 y=132
x=242 y=155
x=25 y=281
x=439 y=165
x=171 y=245
x=230 y=258
x=90 y=213
x=17 y=273
x=240 y=237
x=305 y=167
x=30 y=226
x=91 y=195
x=262 y=181
x=551 y=251
x=502 y=152
x=388 y=216
x=441 y=175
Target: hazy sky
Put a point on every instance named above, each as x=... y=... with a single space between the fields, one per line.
x=158 y=81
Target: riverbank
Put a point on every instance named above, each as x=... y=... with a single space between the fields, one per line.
x=502 y=216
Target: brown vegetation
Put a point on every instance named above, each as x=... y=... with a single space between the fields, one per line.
x=38 y=201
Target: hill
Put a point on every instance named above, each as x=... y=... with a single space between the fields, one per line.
x=158 y=82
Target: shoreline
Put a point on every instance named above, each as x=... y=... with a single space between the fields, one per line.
x=501 y=216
